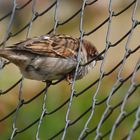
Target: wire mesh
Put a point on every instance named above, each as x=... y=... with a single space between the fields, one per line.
x=92 y=126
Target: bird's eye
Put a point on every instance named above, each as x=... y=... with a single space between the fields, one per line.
x=94 y=54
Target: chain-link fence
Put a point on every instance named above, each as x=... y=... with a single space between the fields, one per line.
x=103 y=106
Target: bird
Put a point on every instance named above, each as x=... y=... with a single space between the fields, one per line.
x=52 y=57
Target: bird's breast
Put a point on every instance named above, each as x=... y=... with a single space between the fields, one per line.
x=48 y=68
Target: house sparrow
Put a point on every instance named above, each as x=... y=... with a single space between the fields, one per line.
x=51 y=57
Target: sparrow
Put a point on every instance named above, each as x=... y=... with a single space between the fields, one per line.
x=51 y=57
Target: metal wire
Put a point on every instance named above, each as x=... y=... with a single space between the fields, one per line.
x=56 y=20
x=76 y=71
x=101 y=74
x=44 y=110
x=85 y=131
x=34 y=13
x=14 y=128
x=135 y=125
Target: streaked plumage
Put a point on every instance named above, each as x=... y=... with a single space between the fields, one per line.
x=50 y=57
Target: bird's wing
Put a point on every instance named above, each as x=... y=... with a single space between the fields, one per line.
x=50 y=45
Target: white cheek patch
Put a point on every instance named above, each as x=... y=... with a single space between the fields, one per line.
x=93 y=63
x=46 y=37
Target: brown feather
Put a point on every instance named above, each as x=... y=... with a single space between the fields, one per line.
x=53 y=45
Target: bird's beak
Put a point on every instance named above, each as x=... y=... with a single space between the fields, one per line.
x=100 y=58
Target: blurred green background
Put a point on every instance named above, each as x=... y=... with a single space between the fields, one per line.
x=57 y=94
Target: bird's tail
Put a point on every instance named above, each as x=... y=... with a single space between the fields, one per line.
x=5 y=53
x=13 y=56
